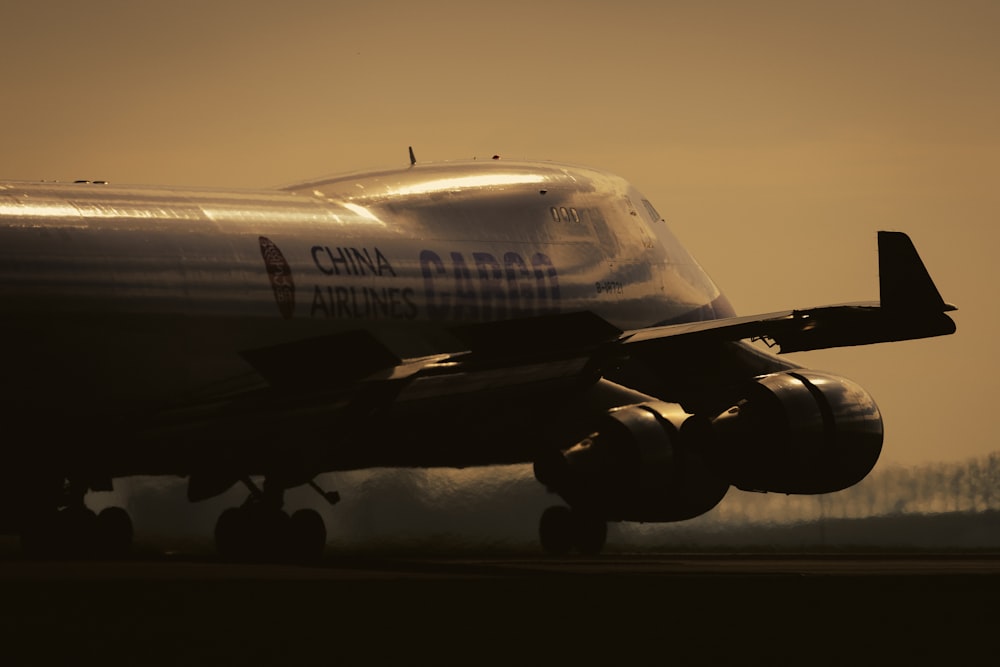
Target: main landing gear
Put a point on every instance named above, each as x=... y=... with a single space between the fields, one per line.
x=260 y=529
x=71 y=529
x=562 y=530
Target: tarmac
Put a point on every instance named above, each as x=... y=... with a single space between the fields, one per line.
x=399 y=608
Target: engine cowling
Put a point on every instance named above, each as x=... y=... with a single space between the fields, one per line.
x=802 y=432
x=635 y=467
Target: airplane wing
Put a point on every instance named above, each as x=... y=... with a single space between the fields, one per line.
x=349 y=379
x=354 y=367
x=910 y=307
x=345 y=383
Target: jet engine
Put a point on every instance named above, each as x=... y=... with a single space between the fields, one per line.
x=794 y=432
x=635 y=467
x=799 y=432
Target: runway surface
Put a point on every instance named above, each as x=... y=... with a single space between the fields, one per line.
x=403 y=609
x=382 y=567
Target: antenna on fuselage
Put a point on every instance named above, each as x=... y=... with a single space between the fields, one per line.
x=413 y=159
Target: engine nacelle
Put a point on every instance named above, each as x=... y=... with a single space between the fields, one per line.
x=635 y=467
x=796 y=432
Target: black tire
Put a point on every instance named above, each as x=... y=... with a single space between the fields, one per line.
x=590 y=534
x=270 y=535
x=232 y=532
x=114 y=533
x=555 y=530
x=307 y=536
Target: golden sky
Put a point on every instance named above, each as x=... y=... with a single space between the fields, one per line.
x=775 y=137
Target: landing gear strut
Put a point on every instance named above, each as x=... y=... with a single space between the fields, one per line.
x=260 y=529
x=562 y=529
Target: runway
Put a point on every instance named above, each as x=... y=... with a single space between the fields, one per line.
x=381 y=567
x=403 y=609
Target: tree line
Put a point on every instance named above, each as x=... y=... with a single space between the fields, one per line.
x=968 y=486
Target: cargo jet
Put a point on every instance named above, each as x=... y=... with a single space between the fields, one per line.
x=456 y=314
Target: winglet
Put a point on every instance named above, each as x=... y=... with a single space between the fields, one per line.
x=904 y=283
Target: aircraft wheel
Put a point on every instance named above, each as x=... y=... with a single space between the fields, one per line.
x=232 y=532
x=77 y=532
x=555 y=530
x=113 y=532
x=306 y=536
x=252 y=533
x=590 y=534
x=270 y=535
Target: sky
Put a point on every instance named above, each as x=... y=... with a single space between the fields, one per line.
x=775 y=137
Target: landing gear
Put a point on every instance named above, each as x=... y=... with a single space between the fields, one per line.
x=255 y=533
x=562 y=529
x=113 y=533
x=306 y=535
x=260 y=530
x=73 y=530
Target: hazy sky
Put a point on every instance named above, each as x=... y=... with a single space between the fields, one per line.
x=775 y=137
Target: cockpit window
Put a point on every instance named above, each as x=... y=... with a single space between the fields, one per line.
x=653 y=215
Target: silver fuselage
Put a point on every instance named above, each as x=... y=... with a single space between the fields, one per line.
x=118 y=299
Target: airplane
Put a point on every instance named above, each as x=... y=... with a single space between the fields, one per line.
x=434 y=315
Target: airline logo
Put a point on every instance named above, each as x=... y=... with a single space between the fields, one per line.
x=281 y=277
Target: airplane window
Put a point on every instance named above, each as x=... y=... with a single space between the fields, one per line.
x=555 y=213
x=563 y=214
x=631 y=206
x=575 y=215
x=656 y=217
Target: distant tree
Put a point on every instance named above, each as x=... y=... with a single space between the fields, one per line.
x=991 y=481
x=974 y=486
x=956 y=486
